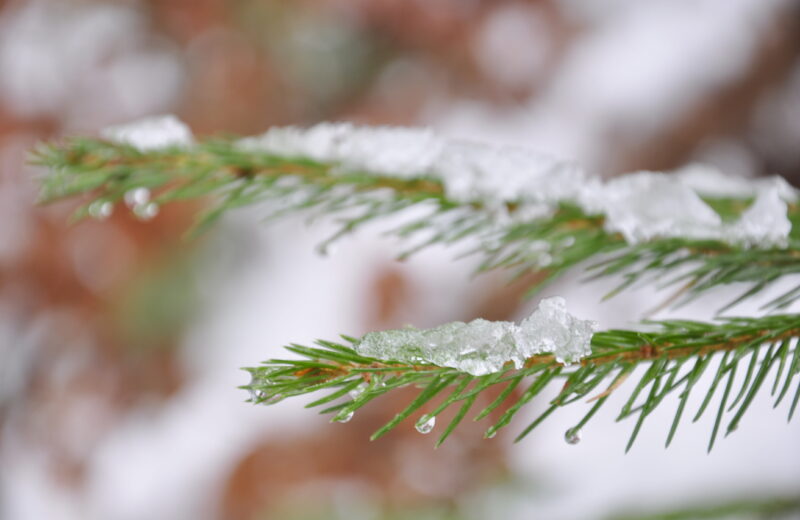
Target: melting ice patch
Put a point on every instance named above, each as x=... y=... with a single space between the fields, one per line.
x=481 y=347
x=151 y=133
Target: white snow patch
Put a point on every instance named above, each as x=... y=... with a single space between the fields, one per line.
x=151 y=133
x=709 y=181
x=646 y=205
x=764 y=223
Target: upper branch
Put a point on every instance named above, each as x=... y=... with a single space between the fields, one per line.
x=507 y=236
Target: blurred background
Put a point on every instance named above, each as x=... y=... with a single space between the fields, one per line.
x=121 y=344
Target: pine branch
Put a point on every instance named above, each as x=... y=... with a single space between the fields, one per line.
x=232 y=177
x=677 y=354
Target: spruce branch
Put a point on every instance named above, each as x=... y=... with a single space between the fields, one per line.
x=102 y=172
x=511 y=234
x=676 y=353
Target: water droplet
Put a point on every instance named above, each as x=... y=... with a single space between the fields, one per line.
x=101 y=209
x=145 y=211
x=490 y=433
x=343 y=417
x=137 y=197
x=356 y=392
x=572 y=436
x=425 y=423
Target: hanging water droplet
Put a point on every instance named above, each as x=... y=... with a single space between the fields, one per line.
x=356 y=392
x=145 y=211
x=573 y=436
x=256 y=394
x=425 y=423
x=101 y=209
x=343 y=417
x=137 y=197
x=491 y=433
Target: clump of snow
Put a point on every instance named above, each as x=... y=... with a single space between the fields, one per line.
x=495 y=175
x=402 y=152
x=318 y=142
x=646 y=205
x=151 y=133
x=551 y=328
x=764 y=223
x=709 y=181
x=482 y=347
x=396 y=151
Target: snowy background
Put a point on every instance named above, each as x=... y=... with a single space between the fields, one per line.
x=121 y=344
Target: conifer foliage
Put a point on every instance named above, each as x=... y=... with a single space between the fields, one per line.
x=516 y=210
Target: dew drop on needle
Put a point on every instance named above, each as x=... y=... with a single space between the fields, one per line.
x=572 y=436
x=425 y=424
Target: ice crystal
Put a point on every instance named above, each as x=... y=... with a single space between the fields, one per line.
x=481 y=347
x=151 y=133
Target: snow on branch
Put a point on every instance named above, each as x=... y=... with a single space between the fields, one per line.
x=676 y=355
x=482 y=347
x=641 y=205
x=526 y=210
